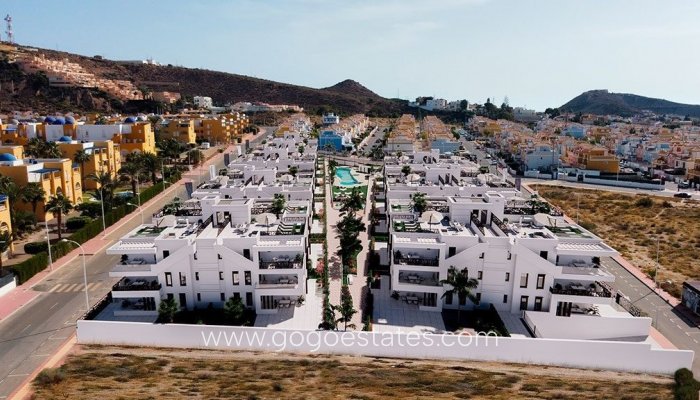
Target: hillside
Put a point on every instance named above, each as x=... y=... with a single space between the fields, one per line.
x=345 y=97
x=602 y=102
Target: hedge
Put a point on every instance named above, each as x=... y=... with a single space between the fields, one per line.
x=75 y=223
x=38 y=262
x=35 y=247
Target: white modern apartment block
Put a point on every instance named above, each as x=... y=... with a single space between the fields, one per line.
x=227 y=240
x=203 y=102
x=212 y=250
x=330 y=119
x=540 y=267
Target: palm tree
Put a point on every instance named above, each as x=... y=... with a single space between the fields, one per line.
x=58 y=206
x=81 y=157
x=167 y=309
x=130 y=172
x=51 y=150
x=151 y=165
x=278 y=204
x=405 y=170
x=353 y=202
x=33 y=148
x=33 y=193
x=345 y=308
x=105 y=186
x=419 y=203
x=461 y=287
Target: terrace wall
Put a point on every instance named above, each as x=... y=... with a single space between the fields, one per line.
x=622 y=356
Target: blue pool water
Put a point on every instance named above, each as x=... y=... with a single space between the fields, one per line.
x=345 y=177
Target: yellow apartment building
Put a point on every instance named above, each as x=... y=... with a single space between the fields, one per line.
x=141 y=139
x=181 y=130
x=55 y=176
x=597 y=158
x=5 y=220
x=105 y=156
x=223 y=129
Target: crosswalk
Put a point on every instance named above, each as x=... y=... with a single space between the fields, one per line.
x=72 y=287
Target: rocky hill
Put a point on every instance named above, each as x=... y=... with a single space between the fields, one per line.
x=602 y=102
x=20 y=91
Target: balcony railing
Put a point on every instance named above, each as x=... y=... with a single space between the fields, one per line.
x=432 y=262
x=598 y=291
x=123 y=285
x=280 y=264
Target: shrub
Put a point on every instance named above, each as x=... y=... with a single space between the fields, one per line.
x=75 y=223
x=686 y=385
x=89 y=209
x=49 y=376
x=35 y=247
x=683 y=377
x=644 y=202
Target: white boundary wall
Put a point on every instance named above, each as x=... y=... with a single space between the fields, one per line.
x=622 y=356
x=8 y=287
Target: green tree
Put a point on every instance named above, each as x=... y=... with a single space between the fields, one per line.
x=353 y=202
x=293 y=170
x=105 y=187
x=81 y=157
x=151 y=165
x=33 y=193
x=167 y=310
x=345 y=308
x=130 y=172
x=419 y=203
x=348 y=229
x=332 y=165
x=405 y=170
x=234 y=309
x=278 y=204
x=461 y=287
x=59 y=205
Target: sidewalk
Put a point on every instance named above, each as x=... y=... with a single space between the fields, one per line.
x=23 y=294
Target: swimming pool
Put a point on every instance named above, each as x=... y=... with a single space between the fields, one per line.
x=345 y=176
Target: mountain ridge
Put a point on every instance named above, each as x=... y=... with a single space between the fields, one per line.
x=604 y=102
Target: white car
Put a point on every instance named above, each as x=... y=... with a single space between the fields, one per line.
x=205 y=145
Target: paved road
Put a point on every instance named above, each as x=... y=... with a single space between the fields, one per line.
x=682 y=332
x=30 y=336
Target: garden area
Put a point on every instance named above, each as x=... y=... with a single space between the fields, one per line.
x=631 y=224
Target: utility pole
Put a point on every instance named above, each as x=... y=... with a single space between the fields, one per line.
x=656 y=270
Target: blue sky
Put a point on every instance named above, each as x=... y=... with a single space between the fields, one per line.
x=538 y=53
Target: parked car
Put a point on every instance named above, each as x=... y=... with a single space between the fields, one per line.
x=683 y=195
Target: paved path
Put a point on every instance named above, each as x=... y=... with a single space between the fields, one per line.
x=358 y=287
x=39 y=316
x=335 y=267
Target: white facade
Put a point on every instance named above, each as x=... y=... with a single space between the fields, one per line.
x=330 y=119
x=202 y=102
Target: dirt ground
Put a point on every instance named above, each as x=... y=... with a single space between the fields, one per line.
x=632 y=228
x=126 y=373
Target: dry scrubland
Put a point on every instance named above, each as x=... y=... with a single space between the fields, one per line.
x=128 y=373
x=631 y=225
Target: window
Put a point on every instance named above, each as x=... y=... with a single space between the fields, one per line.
x=183 y=279
x=523 y=302
x=507 y=276
x=543 y=254
x=448 y=298
x=170 y=296
x=481 y=255
x=236 y=295
x=505 y=298
x=166 y=253
x=462 y=300
x=219 y=255
x=523 y=280
x=199 y=297
x=538 y=304
x=249 y=299
x=223 y=297
x=183 y=300
x=236 y=278
x=195 y=255
x=246 y=253
x=510 y=255
x=540 y=281
x=248 y=280
x=451 y=251
x=478 y=298
x=479 y=275
x=221 y=275
x=168 y=279
x=196 y=276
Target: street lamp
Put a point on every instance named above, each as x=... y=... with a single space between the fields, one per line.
x=87 y=299
x=48 y=243
x=102 y=207
x=656 y=269
x=139 y=208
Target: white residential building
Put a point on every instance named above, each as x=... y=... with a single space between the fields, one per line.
x=203 y=102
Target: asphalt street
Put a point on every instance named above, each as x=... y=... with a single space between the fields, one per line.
x=677 y=328
x=33 y=334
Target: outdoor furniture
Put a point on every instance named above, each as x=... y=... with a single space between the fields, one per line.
x=285 y=303
x=283 y=280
